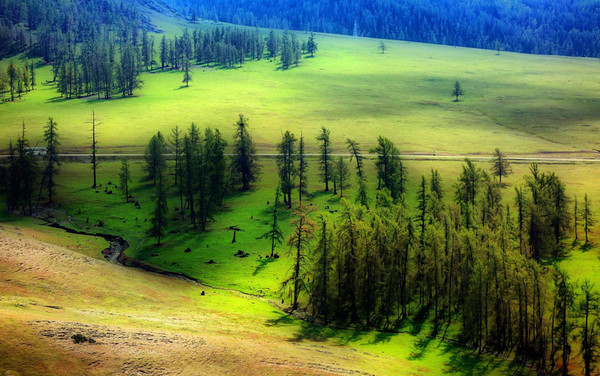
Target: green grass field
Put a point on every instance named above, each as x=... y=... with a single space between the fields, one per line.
x=520 y=103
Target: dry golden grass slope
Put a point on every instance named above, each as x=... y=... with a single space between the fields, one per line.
x=143 y=324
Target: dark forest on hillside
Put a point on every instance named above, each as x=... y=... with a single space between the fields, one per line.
x=564 y=27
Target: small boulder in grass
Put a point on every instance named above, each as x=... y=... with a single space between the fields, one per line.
x=188 y=250
x=210 y=262
x=202 y=293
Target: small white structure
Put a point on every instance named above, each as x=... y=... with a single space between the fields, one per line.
x=37 y=151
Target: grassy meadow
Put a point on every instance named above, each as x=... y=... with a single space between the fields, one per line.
x=520 y=103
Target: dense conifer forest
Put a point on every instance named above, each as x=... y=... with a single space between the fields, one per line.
x=563 y=27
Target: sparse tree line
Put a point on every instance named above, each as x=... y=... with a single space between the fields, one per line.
x=230 y=47
x=25 y=179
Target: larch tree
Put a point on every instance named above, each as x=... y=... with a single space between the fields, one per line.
x=589 y=326
x=275 y=235
x=302 y=171
x=94 y=149
x=575 y=217
x=176 y=141
x=311 y=45
x=303 y=231
x=325 y=156
x=355 y=153
x=164 y=52
x=125 y=178
x=322 y=267
x=32 y=75
x=159 y=220
x=12 y=72
x=245 y=162
x=587 y=217
x=187 y=75
x=189 y=167
x=391 y=173
x=457 y=91
x=500 y=165
x=51 y=157
x=286 y=165
x=342 y=175
x=155 y=156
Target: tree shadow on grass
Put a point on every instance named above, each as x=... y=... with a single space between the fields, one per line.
x=382 y=337
x=306 y=331
x=465 y=361
x=262 y=264
x=419 y=320
x=420 y=347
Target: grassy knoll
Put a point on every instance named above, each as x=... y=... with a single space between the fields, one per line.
x=147 y=323
x=521 y=103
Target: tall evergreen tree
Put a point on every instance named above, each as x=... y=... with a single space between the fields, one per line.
x=287 y=167
x=587 y=217
x=457 y=91
x=94 y=149
x=12 y=73
x=32 y=75
x=500 y=165
x=245 y=162
x=302 y=171
x=589 y=326
x=155 y=157
x=342 y=175
x=311 y=45
x=125 y=178
x=51 y=157
x=159 y=218
x=274 y=234
x=391 y=173
x=321 y=269
x=299 y=240
x=325 y=157
x=187 y=75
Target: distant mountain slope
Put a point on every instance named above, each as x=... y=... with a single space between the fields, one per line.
x=47 y=26
x=564 y=27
